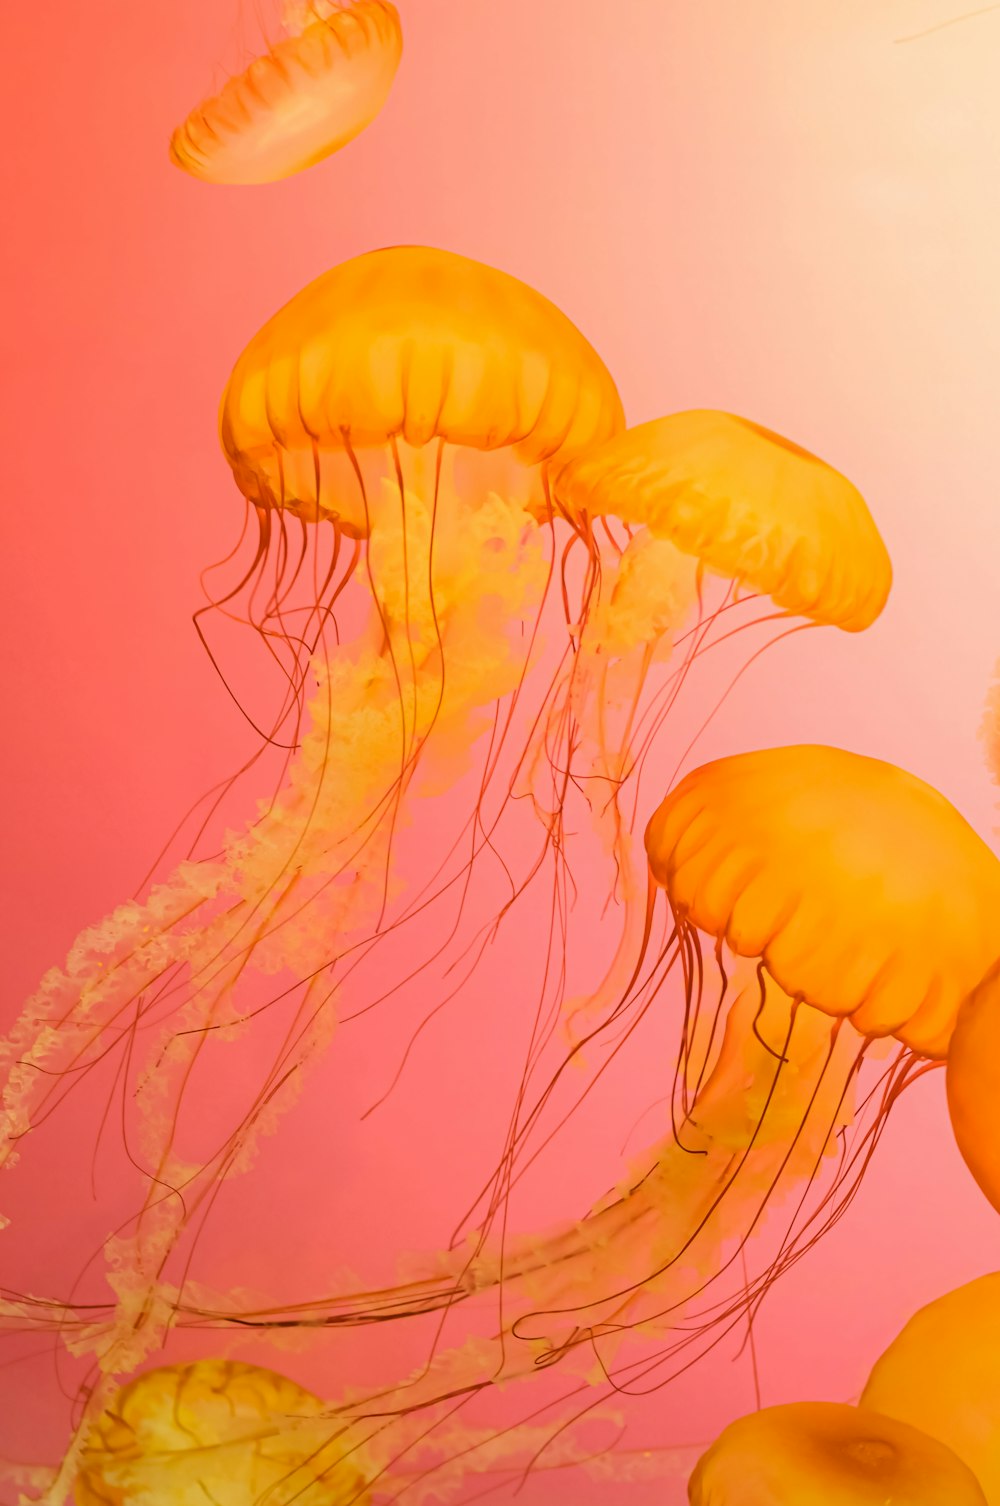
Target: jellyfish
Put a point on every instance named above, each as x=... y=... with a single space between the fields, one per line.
x=829 y=1454
x=307 y=97
x=748 y=509
x=822 y=908
x=220 y=1431
x=754 y=508
x=395 y=431
x=940 y=1374
x=400 y=414
x=973 y=1083
x=241 y=1435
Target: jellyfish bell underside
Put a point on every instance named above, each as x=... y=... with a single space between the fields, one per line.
x=940 y=1374
x=829 y=1454
x=309 y=95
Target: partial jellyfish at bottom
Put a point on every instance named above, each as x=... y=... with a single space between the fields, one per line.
x=940 y=1374
x=829 y=1454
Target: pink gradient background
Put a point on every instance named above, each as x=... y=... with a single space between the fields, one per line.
x=761 y=205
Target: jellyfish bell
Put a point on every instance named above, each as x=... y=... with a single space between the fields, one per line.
x=309 y=95
x=829 y=1454
x=415 y=346
x=752 y=506
x=865 y=905
x=939 y=1374
x=410 y=383
x=221 y=1431
x=860 y=888
x=973 y=1083
x=758 y=519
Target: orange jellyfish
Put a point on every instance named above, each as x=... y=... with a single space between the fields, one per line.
x=395 y=429
x=744 y=507
x=818 y=903
x=973 y=1082
x=751 y=506
x=940 y=1374
x=828 y=1454
x=401 y=414
x=239 y=1435
x=308 y=96
x=217 y=1431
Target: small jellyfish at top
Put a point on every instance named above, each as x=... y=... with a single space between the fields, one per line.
x=940 y=1374
x=310 y=94
x=829 y=1454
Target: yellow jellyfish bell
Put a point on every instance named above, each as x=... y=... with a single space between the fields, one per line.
x=304 y=99
x=751 y=505
x=861 y=888
x=217 y=1431
x=940 y=1374
x=829 y=1454
x=415 y=344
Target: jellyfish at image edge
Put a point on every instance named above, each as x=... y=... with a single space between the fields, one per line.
x=342 y=421
x=940 y=1374
x=818 y=903
x=307 y=97
x=829 y=1454
x=973 y=1082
